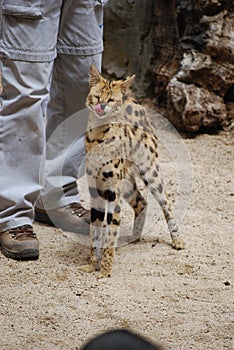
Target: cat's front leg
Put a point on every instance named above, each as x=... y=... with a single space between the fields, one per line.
x=93 y=263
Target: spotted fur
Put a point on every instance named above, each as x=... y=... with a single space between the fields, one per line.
x=120 y=145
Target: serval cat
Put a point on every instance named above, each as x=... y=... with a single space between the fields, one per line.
x=120 y=145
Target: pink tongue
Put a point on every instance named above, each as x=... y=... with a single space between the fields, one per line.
x=98 y=109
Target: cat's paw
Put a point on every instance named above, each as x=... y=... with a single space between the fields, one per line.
x=178 y=243
x=102 y=274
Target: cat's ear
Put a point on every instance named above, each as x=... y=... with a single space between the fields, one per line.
x=95 y=76
x=125 y=85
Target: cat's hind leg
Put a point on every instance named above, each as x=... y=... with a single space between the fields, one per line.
x=155 y=184
x=139 y=206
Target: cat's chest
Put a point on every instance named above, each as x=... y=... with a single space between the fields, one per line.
x=129 y=127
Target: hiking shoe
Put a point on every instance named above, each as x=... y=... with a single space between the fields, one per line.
x=73 y=217
x=20 y=243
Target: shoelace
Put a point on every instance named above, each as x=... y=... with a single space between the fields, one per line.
x=25 y=231
x=78 y=210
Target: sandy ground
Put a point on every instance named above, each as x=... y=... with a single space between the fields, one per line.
x=179 y=299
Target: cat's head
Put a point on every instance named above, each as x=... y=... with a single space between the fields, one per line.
x=106 y=97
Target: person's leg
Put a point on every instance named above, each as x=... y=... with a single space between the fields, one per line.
x=80 y=44
x=66 y=124
x=21 y=139
x=26 y=66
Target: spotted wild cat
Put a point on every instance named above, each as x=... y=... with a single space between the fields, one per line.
x=120 y=145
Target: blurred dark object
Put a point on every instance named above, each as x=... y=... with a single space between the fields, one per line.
x=119 y=339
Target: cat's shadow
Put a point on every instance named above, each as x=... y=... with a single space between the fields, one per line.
x=78 y=253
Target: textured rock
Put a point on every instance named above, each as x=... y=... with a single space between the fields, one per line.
x=198 y=93
x=181 y=51
x=128 y=30
x=219 y=36
x=193 y=108
x=201 y=70
x=165 y=41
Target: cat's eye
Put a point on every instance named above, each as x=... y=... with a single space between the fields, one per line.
x=97 y=97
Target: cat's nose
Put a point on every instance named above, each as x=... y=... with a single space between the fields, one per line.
x=102 y=106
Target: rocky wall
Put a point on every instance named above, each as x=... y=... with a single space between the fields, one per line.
x=183 y=54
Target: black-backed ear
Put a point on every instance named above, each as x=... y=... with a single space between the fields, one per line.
x=125 y=85
x=95 y=76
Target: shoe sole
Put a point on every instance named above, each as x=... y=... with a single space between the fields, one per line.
x=23 y=255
